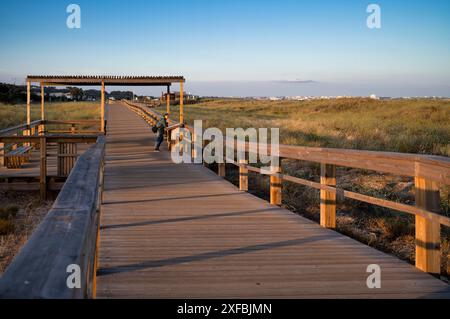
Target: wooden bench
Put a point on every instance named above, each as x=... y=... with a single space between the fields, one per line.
x=16 y=158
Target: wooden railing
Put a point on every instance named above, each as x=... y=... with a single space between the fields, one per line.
x=63 y=249
x=428 y=172
x=40 y=134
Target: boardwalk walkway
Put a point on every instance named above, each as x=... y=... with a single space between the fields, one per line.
x=180 y=231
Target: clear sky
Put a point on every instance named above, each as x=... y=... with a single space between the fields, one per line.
x=231 y=47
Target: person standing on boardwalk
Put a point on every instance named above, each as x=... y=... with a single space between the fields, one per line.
x=161 y=127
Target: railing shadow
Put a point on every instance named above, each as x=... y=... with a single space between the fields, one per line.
x=209 y=255
x=184 y=219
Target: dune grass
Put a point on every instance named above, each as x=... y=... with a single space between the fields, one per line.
x=408 y=126
x=11 y=115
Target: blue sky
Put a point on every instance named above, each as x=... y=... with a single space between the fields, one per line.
x=237 y=47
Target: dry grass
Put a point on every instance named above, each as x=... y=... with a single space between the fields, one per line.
x=21 y=212
x=408 y=126
x=11 y=115
x=18 y=219
x=412 y=126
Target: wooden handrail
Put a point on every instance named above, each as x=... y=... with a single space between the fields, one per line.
x=428 y=171
x=67 y=237
x=20 y=127
x=52 y=138
x=436 y=168
x=69 y=122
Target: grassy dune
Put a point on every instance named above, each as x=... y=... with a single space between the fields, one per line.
x=409 y=126
x=11 y=115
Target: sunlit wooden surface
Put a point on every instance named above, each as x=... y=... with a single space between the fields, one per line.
x=181 y=231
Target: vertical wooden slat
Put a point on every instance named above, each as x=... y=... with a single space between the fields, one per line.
x=43 y=167
x=221 y=169
x=428 y=239
x=243 y=176
x=66 y=158
x=327 y=199
x=60 y=163
x=275 y=187
x=181 y=103
x=73 y=159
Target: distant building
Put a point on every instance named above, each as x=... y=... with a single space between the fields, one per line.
x=175 y=97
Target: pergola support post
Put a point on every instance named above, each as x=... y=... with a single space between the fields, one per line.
x=102 y=108
x=42 y=106
x=27 y=131
x=181 y=103
x=168 y=100
x=28 y=102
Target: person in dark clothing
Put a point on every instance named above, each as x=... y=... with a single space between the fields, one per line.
x=161 y=127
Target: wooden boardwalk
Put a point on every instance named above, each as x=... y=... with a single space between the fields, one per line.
x=180 y=231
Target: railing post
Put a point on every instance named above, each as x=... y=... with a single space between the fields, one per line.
x=428 y=237
x=243 y=176
x=41 y=129
x=275 y=186
x=26 y=133
x=221 y=169
x=327 y=199
x=43 y=167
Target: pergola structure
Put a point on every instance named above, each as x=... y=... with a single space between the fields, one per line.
x=78 y=80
